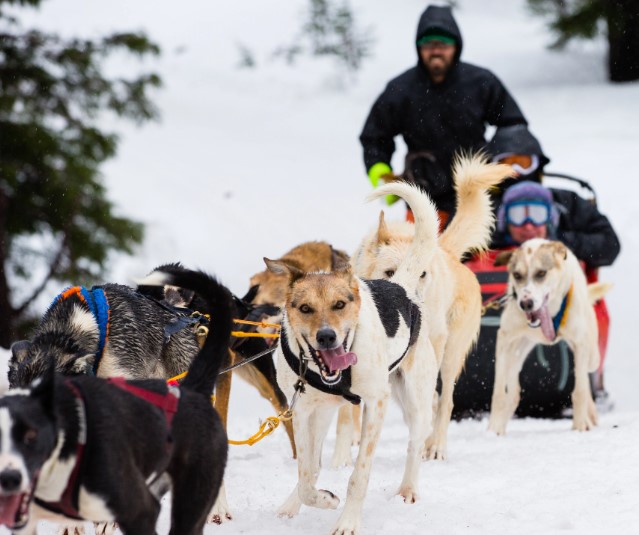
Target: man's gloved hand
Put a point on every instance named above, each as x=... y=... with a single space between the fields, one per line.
x=381 y=173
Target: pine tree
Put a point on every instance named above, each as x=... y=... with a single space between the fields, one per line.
x=619 y=19
x=56 y=222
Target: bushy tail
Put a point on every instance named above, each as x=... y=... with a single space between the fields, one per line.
x=203 y=371
x=472 y=226
x=424 y=243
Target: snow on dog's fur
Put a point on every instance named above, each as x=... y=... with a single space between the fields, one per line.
x=449 y=290
x=359 y=340
x=551 y=301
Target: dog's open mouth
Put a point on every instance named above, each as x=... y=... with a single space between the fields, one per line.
x=331 y=362
x=541 y=318
x=14 y=509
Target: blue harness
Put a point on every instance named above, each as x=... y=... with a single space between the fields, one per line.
x=96 y=300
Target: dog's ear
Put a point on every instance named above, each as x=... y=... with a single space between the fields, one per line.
x=383 y=235
x=559 y=249
x=338 y=259
x=19 y=352
x=503 y=258
x=82 y=365
x=251 y=294
x=43 y=388
x=281 y=267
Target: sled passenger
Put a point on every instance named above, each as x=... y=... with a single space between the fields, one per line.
x=554 y=214
x=440 y=106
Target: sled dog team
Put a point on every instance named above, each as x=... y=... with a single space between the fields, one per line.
x=106 y=437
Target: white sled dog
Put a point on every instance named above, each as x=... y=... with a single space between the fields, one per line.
x=449 y=292
x=344 y=339
x=551 y=301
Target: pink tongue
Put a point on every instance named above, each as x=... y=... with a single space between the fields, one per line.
x=9 y=508
x=338 y=359
x=547 y=326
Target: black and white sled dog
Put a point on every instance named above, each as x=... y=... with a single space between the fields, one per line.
x=344 y=339
x=104 y=450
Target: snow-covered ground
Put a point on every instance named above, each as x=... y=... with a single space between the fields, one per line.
x=248 y=163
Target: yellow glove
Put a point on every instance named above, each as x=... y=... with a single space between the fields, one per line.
x=381 y=172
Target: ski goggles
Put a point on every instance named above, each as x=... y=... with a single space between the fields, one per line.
x=535 y=212
x=524 y=164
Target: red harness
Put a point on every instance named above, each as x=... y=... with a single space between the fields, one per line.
x=168 y=402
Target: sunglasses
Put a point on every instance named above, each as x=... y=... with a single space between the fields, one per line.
x=524 y=164
x=537 y=213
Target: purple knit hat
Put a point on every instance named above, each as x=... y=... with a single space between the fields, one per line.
x=527 y=190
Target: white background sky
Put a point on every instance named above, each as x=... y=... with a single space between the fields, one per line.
x=249 y=163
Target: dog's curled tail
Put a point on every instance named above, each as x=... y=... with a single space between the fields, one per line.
x=472 y=226
x=424 y=244
x=202 y=372
x=424 y=211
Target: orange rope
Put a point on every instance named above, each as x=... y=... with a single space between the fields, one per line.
x=258 y=323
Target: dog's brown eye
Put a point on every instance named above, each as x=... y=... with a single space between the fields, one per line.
x=389 y=273
x=339 y=305
x=30 y=437
x=540 y=275
x=305 y=309
x=423 y=275
x=517 y=276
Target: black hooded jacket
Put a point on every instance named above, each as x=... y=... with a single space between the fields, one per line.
x=438 y=118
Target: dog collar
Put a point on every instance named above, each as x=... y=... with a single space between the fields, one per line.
x=312 y=378
x=559 y=320
x=96 y=301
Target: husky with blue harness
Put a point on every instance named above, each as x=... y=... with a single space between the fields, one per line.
x=109 y=330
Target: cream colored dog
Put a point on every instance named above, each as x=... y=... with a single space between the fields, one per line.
x=551 y=301
x=450 y=292
x=349 y=340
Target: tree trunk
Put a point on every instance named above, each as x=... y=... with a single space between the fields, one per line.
x=623 y=39
x=6 y=310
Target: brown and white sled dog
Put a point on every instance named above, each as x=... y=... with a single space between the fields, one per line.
x=450 y=292
x=351 y=340
x=551 y=301
x=267 y=295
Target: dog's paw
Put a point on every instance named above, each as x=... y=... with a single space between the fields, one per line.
x=105 y=528
x=71 y=530
x=326 y=500
x=409 y=494
x=584 y=424
x=341 y=458
x=584 y=416
x=291 y=506
x=497 y=427
x=219 y=516
x=220 y=512
x=434 y=451
x=346 y=526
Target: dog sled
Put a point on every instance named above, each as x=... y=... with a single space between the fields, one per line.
x=547 y=377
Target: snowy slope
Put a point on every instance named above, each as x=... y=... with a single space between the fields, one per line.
x=248 y=163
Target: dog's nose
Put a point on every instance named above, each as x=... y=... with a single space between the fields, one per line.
x=10 y=480
x=526 y=305
x=326 y=338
